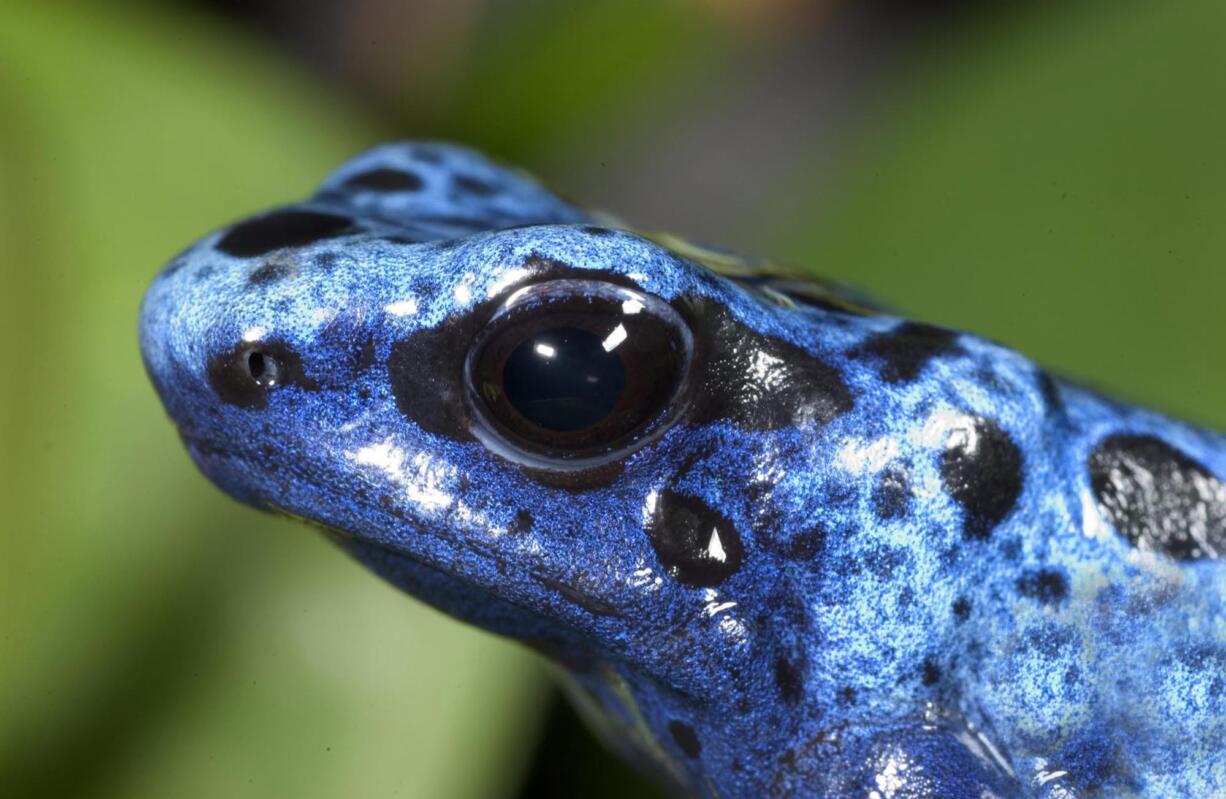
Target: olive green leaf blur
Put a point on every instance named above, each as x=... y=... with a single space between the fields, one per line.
x=1050 y=175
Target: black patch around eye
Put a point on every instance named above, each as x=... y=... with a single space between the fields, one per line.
x=1045 y=585
x=788 y=681
x=759 y=382
x=471 y=185
x=696 y=544
x=685 y=738
x=243 y=376
x=426 y=371
x=385 y=179
x=904 y=350
x=981 y=469
x=1159 y=498
x=892 y=494
x=278 y=229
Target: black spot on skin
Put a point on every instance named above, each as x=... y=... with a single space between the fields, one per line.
x=244 y=376
x=385 y=179
x=471 y=185
x=685 y=738
x=274 y=270
x=788 y=680
x=904 y=350
x=962 y=609
x=892 y=494
x=1045 y=585
x=1050 y=391
x=981 y=469
x=757 y=382
x=594 y=230
x=288 y=228
x=522 y=523
x=847 y=695
x=930 y=672
x=1158 y=497
x=806 y=545
x=683 y=531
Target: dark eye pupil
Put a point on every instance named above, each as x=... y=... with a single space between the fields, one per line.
x=255 y=364
x=262 y=368
x=564 y=379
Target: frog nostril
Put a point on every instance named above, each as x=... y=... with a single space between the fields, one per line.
x=262 y=368
x=247 y=374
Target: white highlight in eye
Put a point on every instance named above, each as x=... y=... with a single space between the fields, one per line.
x=631 y=307
x=715 y=547
x=405 y=307
x=253 y=334
x=544 y=350
x=615 y=338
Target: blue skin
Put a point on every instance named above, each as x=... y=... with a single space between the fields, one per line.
x=935 y=571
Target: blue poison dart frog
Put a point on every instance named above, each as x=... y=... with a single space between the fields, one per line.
x=780 y=542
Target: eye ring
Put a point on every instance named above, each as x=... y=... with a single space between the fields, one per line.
x=571 y=374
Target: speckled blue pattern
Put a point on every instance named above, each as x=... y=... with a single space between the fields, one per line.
x=863 y=557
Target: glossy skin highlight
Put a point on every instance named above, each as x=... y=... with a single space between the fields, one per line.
x=855 y=556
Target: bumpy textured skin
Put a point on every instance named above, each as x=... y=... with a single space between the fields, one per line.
x=941 y=572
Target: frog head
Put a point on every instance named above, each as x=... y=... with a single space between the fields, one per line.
x=568 y=432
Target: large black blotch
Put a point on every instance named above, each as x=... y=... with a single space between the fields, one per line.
x=245 y=375
x=1158 y=497
x=981 y=468
x=696 y=543
x=288 y=228
x=904 y=350
x=755 y=381
x=385 y=179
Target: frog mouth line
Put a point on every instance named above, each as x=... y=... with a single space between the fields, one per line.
x=204 y=449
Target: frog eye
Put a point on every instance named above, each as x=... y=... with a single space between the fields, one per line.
x=575 y=369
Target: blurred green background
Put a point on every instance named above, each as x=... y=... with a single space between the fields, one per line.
x=1051 y=175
